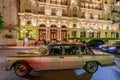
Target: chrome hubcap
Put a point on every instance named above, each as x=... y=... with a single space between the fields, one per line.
x=91 y=67
x=21 y=70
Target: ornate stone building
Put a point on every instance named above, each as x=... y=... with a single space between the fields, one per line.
x=64 y=19
x=115 y=16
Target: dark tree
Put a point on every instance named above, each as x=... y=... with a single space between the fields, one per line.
x=1 y=23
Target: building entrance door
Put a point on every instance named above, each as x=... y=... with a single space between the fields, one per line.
x=63 y=34
x=53 y=34
x=42 y=34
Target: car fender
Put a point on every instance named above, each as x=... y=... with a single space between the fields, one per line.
x=92 y=61
x=21 y=61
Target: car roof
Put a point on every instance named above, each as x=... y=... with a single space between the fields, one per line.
x=68 y=44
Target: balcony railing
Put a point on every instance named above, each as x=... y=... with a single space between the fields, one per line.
x=100 y=19
x=92 y=8
x=75 y=15
x=108 y=19
x=114 y=11
x=53 y=2
x=91 y=17
x=41 y=12
x=64 y=14
x=27 y=10
x=53 y=14
x=82 y=16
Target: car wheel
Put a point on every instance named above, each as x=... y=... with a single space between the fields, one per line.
x=22 y=69
x=91 y=67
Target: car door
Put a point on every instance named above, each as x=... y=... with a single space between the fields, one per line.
x=87 y=54
x=71 y=59
x=53 y=60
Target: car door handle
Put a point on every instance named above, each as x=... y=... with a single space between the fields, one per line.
x=61 y=57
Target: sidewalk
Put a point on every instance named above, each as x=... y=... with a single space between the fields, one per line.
x=18 y=47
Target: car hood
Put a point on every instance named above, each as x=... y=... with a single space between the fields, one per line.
x=105 y=45
x=29 y=51
x=34 y=52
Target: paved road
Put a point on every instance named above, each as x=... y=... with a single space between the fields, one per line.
x=103 y=73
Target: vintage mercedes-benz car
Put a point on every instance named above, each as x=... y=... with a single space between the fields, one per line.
x=58 y=57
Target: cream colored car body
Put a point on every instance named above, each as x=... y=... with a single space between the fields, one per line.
x=44 y=61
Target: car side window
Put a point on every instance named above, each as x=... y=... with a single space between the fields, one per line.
x=74 y=49
x=55 y=50
x=67 y=50
x=84 y=50
x=89 y=51
x=70 y=49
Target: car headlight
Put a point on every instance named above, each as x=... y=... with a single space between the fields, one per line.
x=112 y=48
x=99 y=46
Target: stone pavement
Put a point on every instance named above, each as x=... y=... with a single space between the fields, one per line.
x=18 y=47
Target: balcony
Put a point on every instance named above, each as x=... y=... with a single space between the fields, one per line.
x=75 y=15
x=64 y=14
x=114 y=11
x=54 y=14
x=41 y=12
x=53 y=2
x=108 y=19
x=28 y=10
x=106 y=2
x=101 y=19
x=82 y=16
x=92 y=17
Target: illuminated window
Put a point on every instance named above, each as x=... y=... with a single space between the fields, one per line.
x=64 y=2
x=74 y=34
x=75 y=11
x=82 y=34
x=82 y=14
x=91 y=33
x=42 y=0
x=42 y=32
x=98 y=34
x=53 y=1
x=64 y=12
x=91 y=16
x=53 y=12
x=106 y=34
x=42 y=10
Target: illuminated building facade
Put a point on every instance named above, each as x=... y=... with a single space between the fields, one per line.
x=64 y=19
x=115 y=16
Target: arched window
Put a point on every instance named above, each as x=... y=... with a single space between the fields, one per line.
x=42 y=25
x=53 y=26
x=53 y=32
x=28 y=22
x=63 y=26
x=91 y=33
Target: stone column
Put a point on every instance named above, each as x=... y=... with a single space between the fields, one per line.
x=47 y=34
x=59 y=34
x=87 y=34
x=95 y=34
